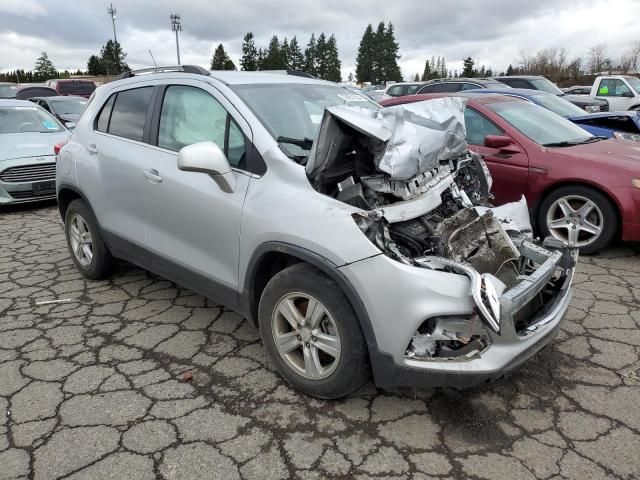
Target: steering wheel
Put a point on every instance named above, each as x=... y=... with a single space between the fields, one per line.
x=23 y=125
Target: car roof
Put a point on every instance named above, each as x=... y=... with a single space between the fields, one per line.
x=478 y=98
x=6 y=102
x=520 y=76
x=521 y=92
x=61 y=98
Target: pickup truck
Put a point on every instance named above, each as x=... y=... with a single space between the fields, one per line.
x=621 y=91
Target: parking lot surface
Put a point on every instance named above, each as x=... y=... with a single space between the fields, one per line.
x=96 y=387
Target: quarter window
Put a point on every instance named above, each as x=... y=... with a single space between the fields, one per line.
x=129 y=113
x=102 y=125
x=190 y=115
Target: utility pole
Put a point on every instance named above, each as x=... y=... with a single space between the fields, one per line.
x=112 y=13
x=176 y=26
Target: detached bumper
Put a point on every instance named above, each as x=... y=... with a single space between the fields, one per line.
x=508 y=348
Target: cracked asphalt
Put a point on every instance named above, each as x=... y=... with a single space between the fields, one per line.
x=94 y=388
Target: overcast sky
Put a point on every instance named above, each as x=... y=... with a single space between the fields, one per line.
x=493 y=32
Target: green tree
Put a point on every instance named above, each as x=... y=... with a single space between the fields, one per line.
x=364 y=60
x=416 y=77
x=320 y=56
x=390 y=49
x=310 y=57
x=509 y=71
x=44 y=69
x=220 y=60
x=296 y=57
x=332 y=61
x=443 y=68
x=261 y=59
x=285 y=53
x=467 y=70
x=249 y=60
x=426 y=74
x=95 y=66
x=112 y=57
x=273 y=56
x=378 y=65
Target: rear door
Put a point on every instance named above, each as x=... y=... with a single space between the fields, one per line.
x=192 y=226
x=112 y=176
x=510 y=171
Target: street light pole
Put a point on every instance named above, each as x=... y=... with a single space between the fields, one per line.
x=176 y=26
x=112 y=13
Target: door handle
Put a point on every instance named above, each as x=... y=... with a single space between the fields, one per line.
x=152 y=175
x=92 y=149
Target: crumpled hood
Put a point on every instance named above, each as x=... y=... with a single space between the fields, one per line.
x=23 y=145
x=405 y=139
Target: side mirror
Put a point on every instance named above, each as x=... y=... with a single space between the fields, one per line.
x=628 y=94
x=70 y=125
x=206 y=157
x=500 y=142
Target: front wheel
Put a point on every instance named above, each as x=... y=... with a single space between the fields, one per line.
x=312 y=334
x=580 y=216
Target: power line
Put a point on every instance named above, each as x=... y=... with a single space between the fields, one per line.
x=176 y=26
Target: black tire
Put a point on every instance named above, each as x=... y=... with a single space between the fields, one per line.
x=102 y=262
x=353 y=367
x=610 y=221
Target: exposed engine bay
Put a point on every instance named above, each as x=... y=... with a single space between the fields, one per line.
x=425 y=200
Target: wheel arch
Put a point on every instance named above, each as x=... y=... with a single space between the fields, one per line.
x=273 y=257
x=579 y=183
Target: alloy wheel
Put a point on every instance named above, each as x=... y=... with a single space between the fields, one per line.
x=576 y=220
x=81 y=241
x=306 y=336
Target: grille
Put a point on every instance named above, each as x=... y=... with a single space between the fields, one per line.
x=604 y=107
x=29 y=173
x=22 y=194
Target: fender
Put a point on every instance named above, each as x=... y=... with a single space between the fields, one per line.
x=249 y=307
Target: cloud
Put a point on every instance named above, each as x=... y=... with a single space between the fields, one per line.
x=493 y=32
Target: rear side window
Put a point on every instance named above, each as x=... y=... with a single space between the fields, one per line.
x=517 y=83
x=129 y=113
x=447 y=87
x=102 y=124
x=76 y=87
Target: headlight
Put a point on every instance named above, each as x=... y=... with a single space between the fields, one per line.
x=592 y=108
x=635 y=182
x=632 y=137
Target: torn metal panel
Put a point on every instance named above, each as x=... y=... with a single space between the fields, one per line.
x=402 y=141
x=513 y=216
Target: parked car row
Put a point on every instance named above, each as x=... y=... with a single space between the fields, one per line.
x=51 y=88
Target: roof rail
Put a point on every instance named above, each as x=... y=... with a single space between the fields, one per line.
x=297 y=73
x=177 y=68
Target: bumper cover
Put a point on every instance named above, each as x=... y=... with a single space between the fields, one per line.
x=508 y=349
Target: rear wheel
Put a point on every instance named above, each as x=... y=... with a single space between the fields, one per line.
x=580 y=216
x=312 y=334
x=87 y=248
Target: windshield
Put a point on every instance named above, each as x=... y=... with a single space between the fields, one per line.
x=295 y=111
x=557 y=105
x=26 y=120
x=546 y=86
x=8 y=91
x=496 y=85
x=634 y=82
x=540 y=125
x=67 y=107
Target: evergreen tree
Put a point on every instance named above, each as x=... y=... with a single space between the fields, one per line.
x=310 y=65
x=95 y=66
x=320 y=56
x=249 y=61
x=350 y=77
x=434 y=72
x=112 y=58
x=285 y=54
x=219 y=58
x=44 y=69
x=443 y=68
x=364 y=61
x=273 y=56
x=509 y=71
x=261 y=59
x=467 y=70
x=379 y=60
x=438 y=68
x=332 y=59
x=390 y=50
x=489 y=72
x=296 y=57
x=426 y=74
x=482 y=72
x=416 y=77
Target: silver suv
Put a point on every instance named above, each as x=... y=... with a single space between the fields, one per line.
x=360 y=240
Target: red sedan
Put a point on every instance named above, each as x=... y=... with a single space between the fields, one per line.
x=582 y=189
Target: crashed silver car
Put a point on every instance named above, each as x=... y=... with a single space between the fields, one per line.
x=360 y=240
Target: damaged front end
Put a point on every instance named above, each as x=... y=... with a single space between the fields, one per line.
x=424 y=200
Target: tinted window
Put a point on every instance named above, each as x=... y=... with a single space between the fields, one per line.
x=478 y=127
x=76 y=88
x=470 y=86
x=516 y=83
x=129 y=113
x=622 y=124
x=103 y=119
x=446 y=87
x=29 y=92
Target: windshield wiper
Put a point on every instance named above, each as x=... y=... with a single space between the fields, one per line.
x=303 y=143
x=575 y=142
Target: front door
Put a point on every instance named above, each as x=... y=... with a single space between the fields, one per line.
x=510 y=171
x=616 y=92
x=192 y=226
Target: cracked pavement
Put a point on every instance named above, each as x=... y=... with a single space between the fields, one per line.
x=93 y=388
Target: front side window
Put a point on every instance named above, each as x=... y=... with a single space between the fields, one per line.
x=191 y=115
x=516 y=82
x=129 y=113
x=27 y=120
x=478 y=127
x=613 y=87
